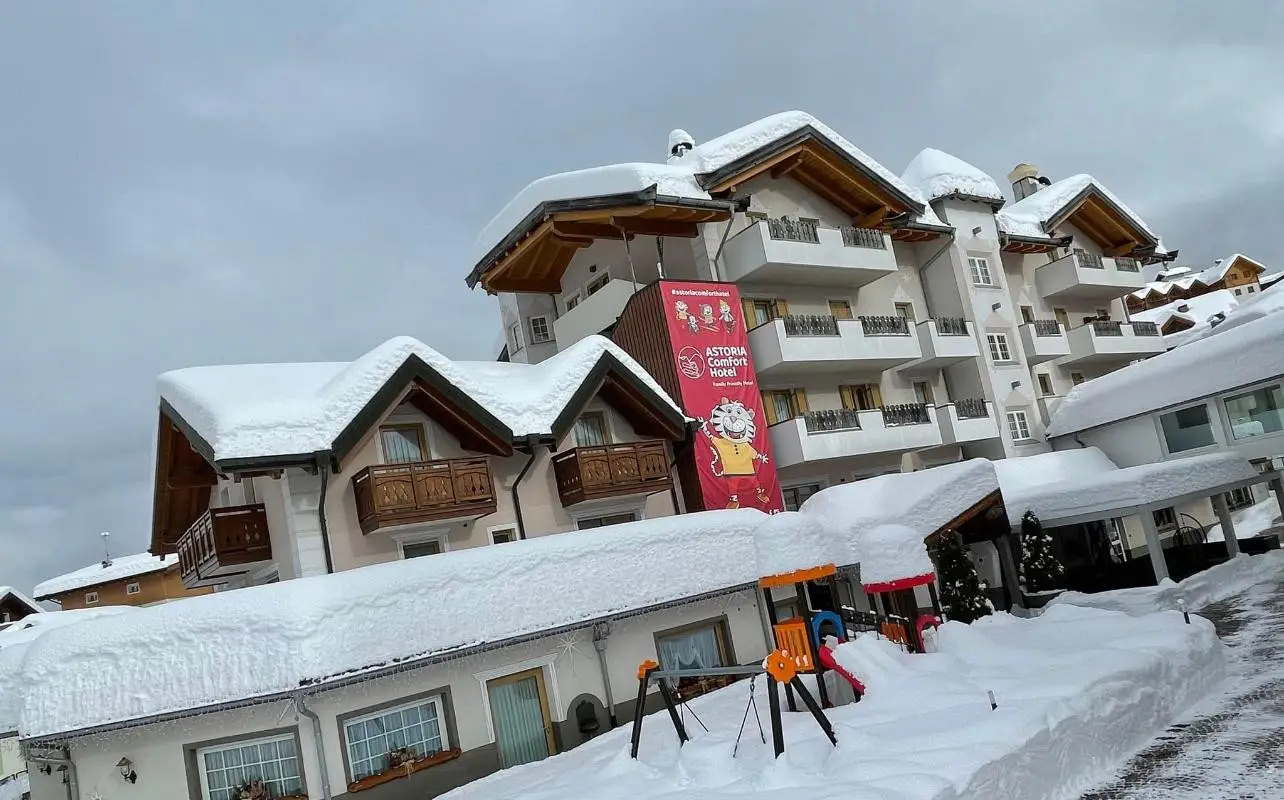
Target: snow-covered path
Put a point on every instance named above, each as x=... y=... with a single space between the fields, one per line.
x=1232 y=744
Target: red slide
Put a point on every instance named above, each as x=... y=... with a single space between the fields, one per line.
x=827 y=658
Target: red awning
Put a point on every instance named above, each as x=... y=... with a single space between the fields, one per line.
x=900 y=583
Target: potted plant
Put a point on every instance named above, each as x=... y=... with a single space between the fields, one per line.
x=253 y=789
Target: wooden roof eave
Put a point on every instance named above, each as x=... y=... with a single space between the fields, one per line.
x=626 y=392
x=1011 y=243
x=1124 y=221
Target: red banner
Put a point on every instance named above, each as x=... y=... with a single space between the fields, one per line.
x=720 y=389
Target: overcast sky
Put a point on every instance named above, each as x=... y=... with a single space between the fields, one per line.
x=194 y=183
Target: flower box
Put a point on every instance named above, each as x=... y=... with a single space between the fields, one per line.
x=403 y=770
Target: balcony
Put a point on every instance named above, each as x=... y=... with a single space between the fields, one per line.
x=795 y=251
x=223 y=543
x=1043 y=340
x=1107 y=342
x=798 y=346
x=615 y=470
x=423 y=491
x=823 y=435
x=594 y=313
x=967 y=420
x=1086 y=278
x=943 y=341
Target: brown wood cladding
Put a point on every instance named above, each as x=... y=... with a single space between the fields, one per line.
x=613 y=470
x=222 y=543
x=182 y=490
x=423 y=491
x=153 y=587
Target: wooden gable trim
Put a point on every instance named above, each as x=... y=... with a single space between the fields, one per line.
x=1099 y=217
x=624 y=391
x=471 y=435
x=183 y=479
x=1175 y=324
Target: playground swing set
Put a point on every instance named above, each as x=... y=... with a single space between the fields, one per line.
x=800 y=648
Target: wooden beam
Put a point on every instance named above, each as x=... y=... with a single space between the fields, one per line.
x=785 y=167
x=1121 y=250
x=597 y=214
x=191 y=478
x=755 y=170
x=873 y=220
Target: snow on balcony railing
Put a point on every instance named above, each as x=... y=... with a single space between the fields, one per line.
x=864 y=237
x=970 y=408
x=885 y=326
x=1046 y=327
x=906 y=414
x=793 y=230
x=1145 y=329
x=810 y=325
x=951 y=326
x=832 y=420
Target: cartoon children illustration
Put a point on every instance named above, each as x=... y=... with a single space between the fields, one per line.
x=728 y=319
x=707 y=318
x=734 y=456
x=682 y=314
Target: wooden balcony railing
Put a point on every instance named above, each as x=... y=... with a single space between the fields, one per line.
x=613 y=470
x=223 y=543
x=423 y=491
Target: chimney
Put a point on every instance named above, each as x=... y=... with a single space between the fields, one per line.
x=1025 y=180
x=679 y=143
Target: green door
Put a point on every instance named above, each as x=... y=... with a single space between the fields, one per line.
x=519 y=709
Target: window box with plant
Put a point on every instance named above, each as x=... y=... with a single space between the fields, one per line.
x=403 y=762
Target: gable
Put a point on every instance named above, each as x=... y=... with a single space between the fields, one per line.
x=619 y=388
x=1100 y=219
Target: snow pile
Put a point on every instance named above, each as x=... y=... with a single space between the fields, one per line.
x=1088 y=686
x=1027 y=217
x=1255 y=520
x=14 y=788
x=1209 y=586
x=94 y=574
x=792 y=541
x=936 y=174
x=883 y=521
x=1240 y=351
x=1066 y=483
x=259 y=410
x=270 y=639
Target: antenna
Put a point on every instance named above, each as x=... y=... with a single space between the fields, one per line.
x=106 y=549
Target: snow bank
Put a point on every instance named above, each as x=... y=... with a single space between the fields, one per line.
x=268 y=639
x=1249 y=522
x=936 y=174
x=1026 y=217
x=1202 y=588
x=14 y=788
x=258 y=410
x=1086 y=685
x=94 y=574
x=1240 y=351
x=792 y=541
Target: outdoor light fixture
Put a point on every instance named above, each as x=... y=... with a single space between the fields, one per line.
x=996 y=306
x=126 y=768
x=1016 y=384
x=976 y=231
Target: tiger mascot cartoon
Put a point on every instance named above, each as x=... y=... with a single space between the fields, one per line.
x=734 y=456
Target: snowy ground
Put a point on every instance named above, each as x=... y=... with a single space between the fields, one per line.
x=14 y=788
x=1231 y=745
x=1084 y=684
x=1252 y=521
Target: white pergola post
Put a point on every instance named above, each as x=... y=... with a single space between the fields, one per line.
x=1154 y=546
x=1228 y=525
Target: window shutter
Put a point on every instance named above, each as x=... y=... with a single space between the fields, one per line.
x=876 y=395
x=849 y=401
x=782 y=308
x=800 y=401
x=769 y=407
x=750 y=318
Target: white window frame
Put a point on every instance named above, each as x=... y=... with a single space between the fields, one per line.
x=438 y=703
x=404 y=421
x=494 y=529
x=548 y=329
x=91 y=598
x=133 y=588
x=1005 y=346
x=200 y=757
x=547 y=663
x=403 y=538
x=596 y=284
x=570 y=301
x=1039 y=378
x=1024 y=419
x=820 y=483
x=1218 y=422
x=978 y=268
x=515 y=336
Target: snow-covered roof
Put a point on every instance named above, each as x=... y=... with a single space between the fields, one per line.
x=263 y=410
x=1027 y=216
x=1165 y=286
x=1198 y=308
x=9 y=591
x=95 y=574
x=1240 y=351
x=1070 y=483
x=936 y=174
x=269 y=639
x=1269 y=279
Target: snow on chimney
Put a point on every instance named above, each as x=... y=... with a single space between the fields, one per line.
x=679 y=143
x=1025 y=180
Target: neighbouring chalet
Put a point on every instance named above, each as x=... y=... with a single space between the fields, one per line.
x=134 y=580
x=278 y=471
x=14 y=605
x=1183 y=299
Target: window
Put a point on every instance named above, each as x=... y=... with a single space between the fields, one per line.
x=503 y=535
x=1077 y=378
x=840 y=309
x=1165 y=518
x=795 y=496
x=1045 y=384
x=428 y=547
x=515 y=336
x=906 y=312
x=782 y=405
x=1187 y=429
x=1062 y=317
x=1018 y=426
x=1103 y=313
x=698 y=646
x=980 y=269
x=595 y=285
x=1239 y=291
x=403 y=444
x=1252 y=289
x=419 y=727
x=539 y=330
x=584 y=523
x=274 y=761
x=91 y=598
x=999 y=351
x=1256 y=413
x=863 y=397
x=761 y=311
x=1027 y=314
x=1239 y=498
x=133 y=588
x=590 y=430
x=923 y=392
x=572 y=300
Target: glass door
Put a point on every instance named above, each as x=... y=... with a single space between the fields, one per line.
x=520 y=711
